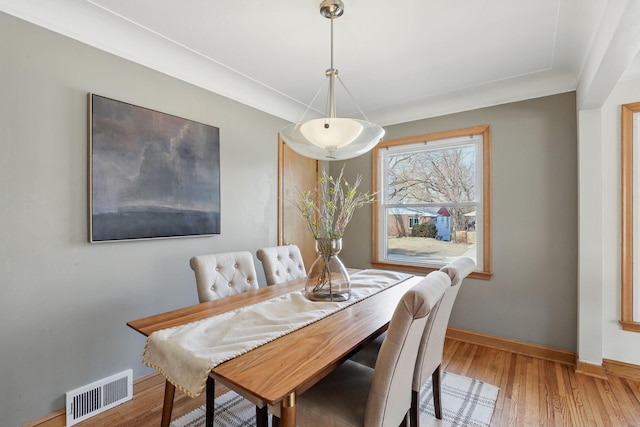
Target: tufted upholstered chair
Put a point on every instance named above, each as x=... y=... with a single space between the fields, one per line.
x=357 y=395
x=282 y=263
x=224 y=274
x=431 y=343
x=218 y=276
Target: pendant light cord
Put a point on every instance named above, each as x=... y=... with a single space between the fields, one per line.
x=331 y=73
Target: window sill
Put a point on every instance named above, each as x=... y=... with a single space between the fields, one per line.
x=630 y=326
x=482 y=275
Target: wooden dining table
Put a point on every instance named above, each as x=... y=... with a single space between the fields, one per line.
x=278 y=371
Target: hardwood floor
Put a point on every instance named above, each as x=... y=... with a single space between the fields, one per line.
x=537 y=392
x=533 y=392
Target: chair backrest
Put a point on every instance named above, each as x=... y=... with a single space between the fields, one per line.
x=432 y=341
x=224 y=274
x=281 y=263
x=389 y=398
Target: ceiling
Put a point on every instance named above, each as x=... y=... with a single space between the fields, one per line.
x=401 y=61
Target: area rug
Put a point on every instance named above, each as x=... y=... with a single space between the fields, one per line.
x=465 y=402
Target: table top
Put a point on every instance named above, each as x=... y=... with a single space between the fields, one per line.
x=146 y=326
x=294 y=362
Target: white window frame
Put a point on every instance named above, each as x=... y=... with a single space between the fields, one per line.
x=478 y=136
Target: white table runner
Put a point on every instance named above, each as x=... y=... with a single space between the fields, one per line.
x=186 y=354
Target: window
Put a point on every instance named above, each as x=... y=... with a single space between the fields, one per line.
x=438 y=185
x=630 y=291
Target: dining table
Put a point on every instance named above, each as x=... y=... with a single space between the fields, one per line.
x=276 y=372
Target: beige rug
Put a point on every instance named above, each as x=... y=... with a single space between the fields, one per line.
x=465 y=402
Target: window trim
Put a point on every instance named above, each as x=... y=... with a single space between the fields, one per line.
x=627 y=224
x=484 y=130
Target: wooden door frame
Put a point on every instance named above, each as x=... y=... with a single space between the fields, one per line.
x=281 y=196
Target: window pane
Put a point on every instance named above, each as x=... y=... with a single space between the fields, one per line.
x=432 y=175
x=431 y=235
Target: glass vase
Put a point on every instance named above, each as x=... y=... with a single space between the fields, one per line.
x=327 y=279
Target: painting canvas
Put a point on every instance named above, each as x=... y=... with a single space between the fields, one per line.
x=151 y=174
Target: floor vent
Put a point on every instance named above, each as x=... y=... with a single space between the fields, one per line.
x=92 y=399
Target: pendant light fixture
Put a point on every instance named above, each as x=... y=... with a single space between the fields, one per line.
x=331 y=137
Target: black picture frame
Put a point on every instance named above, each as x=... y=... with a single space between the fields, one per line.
x=151 y=174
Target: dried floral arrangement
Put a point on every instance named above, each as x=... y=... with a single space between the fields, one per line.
x=328 y=210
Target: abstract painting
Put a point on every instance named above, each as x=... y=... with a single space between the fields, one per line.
x=151 y=174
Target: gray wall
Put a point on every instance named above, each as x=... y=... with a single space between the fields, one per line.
x=532 y=295
x=64 y=303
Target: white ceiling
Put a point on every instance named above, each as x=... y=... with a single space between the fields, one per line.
x=400 y=60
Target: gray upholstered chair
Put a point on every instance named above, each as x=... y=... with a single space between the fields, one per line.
x=432 y=341
x=218 y=276
x=281 y=263
x=357 y=395
x=224 y=274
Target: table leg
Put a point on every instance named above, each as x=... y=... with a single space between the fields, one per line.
x=211 y=397
x=167 y=406
x=288 y=411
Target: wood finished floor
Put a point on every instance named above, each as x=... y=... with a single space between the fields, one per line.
x=533 y=392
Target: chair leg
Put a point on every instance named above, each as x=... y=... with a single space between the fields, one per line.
x=414 y=411
x=211 y=397
x=405 y=420
x=437 y=401
x=262 y=416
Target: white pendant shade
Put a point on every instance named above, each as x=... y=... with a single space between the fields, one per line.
x=343 y=139
x=331 y=134
x=331 y=137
